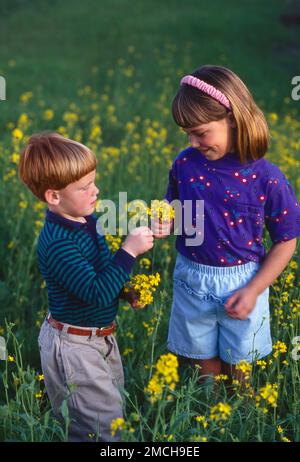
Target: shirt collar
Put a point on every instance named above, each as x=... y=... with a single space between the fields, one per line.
x=229 y=160
x=72 y=224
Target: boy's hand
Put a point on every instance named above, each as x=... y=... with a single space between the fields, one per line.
x=241 y=303
x=138 y=241
x=161 y=229
x=132 y=298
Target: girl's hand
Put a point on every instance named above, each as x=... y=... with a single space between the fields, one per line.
x=161 y=229
x=241 y=303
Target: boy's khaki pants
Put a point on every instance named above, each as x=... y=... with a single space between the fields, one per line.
x=87 y=371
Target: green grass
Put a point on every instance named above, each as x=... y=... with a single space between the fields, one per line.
x=56 y=44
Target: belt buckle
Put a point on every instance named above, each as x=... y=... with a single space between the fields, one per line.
x=105 y=328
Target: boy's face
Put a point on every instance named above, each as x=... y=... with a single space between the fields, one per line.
x=213 y=139
x=78 y=199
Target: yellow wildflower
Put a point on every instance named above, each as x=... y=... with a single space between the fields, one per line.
x=39 y=223
x=17 y=134
x=144 y=285
x=273 y=117
x=25 y=97
x=165 y=376
x=279 y=347
x=221 y=377
x=70 y=117
x=113 y=242
x=202 y=419
x=119 y=424
x=220 y=411
x=161 y=210
x=129 y=127
x=48 y=114
x=145 y=263
x=127 y=351
x=266 y=396
x=23 y=204
x=200 y=439
x=15 y=158
x=245 y=368
x=96 y=132
x=293 y=264
x=261 y=363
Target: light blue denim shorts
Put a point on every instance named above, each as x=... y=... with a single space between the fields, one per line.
x=199 y=326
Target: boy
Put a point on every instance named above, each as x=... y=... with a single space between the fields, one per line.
x=79 y=354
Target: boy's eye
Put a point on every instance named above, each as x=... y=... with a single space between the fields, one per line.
x=199 y=134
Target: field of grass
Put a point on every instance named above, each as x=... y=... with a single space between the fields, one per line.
x=104 y=73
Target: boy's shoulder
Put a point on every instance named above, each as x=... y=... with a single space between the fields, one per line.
x=52 y=232
x=57 y=228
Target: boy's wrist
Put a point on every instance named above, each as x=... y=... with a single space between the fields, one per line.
x=128 y=250
x=124 y=259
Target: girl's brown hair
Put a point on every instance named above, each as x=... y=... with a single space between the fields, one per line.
x=192 y=107
x=50 y=161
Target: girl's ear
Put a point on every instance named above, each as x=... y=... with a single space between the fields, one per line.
x=231 y=119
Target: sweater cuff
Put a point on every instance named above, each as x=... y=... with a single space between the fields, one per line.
x=124 y=259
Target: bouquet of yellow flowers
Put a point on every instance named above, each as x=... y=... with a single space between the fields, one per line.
x=162 y=218
x=161 y=211
x=139 y=290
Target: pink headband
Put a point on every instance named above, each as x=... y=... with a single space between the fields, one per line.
x=209 y=89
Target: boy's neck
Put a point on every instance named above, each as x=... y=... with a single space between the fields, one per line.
x=66 y=215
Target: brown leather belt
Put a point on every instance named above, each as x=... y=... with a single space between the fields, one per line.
x=100 y=332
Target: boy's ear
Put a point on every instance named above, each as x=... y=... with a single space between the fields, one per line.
x=52 y=197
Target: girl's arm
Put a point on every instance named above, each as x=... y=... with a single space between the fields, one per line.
x=242 y=302
x=275 y=262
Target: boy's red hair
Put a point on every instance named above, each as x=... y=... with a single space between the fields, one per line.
x=50 y=161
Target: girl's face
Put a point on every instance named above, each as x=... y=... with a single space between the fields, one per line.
x=213 y=139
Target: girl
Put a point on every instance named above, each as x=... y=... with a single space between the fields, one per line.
x=220 y=310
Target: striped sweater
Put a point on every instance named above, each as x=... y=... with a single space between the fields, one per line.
x=83 y=278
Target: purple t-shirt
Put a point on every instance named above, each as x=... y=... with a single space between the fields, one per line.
x=238 y=200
